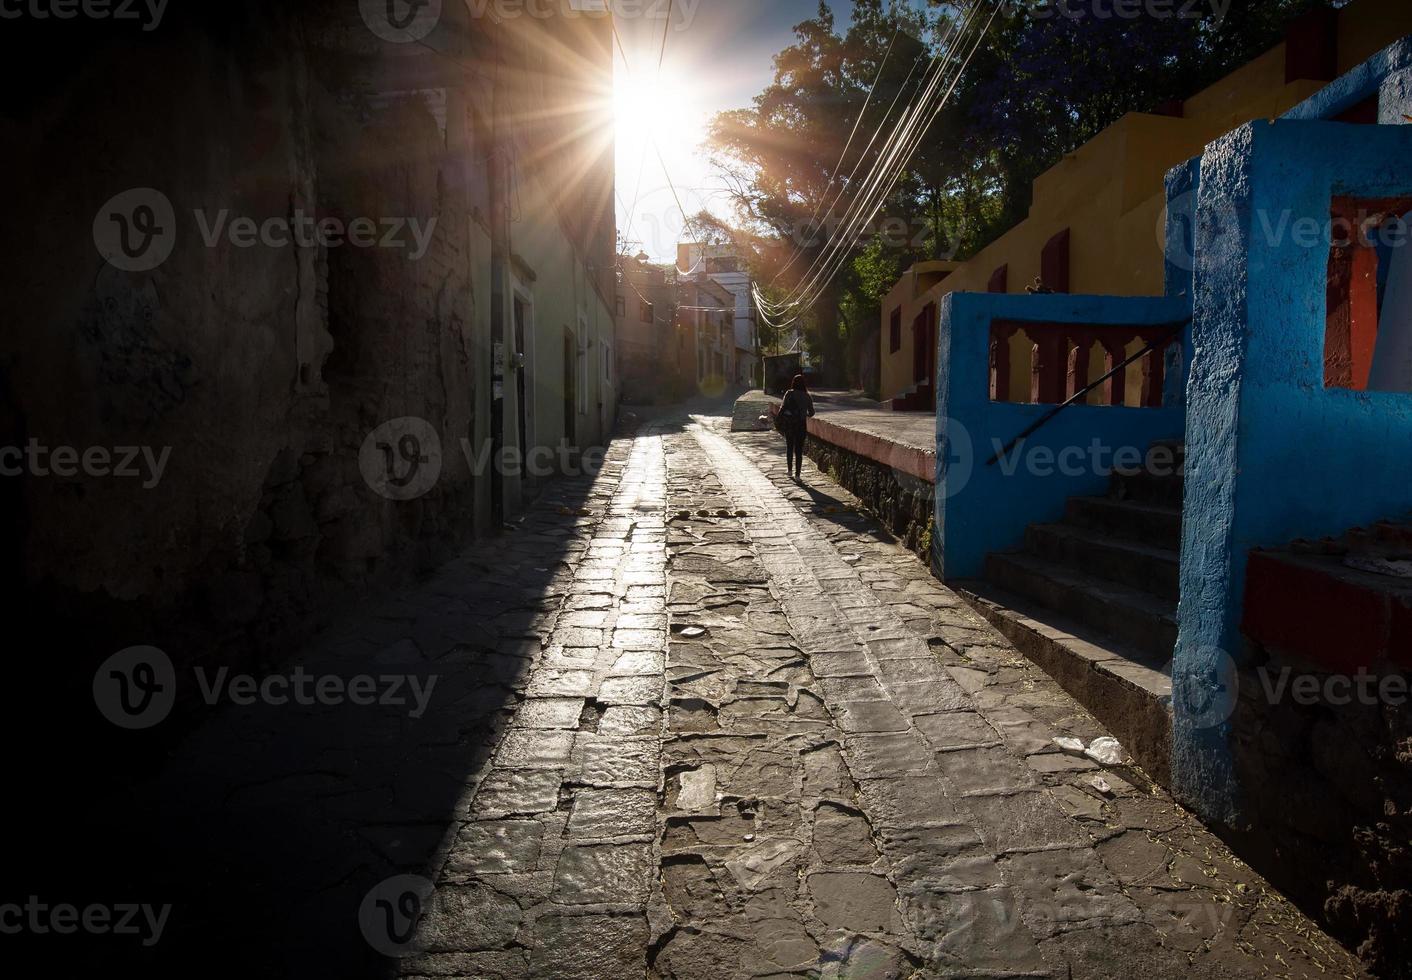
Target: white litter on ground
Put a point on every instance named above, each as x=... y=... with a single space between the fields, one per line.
x=1105 y=750
x=1069 y=744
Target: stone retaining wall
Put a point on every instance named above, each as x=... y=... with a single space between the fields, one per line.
x=901 y=501
x=1325 y=801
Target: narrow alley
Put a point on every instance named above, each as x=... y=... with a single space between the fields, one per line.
x=691 y=720
x=409 y=569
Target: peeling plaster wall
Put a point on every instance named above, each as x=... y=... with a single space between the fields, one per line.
x=202 y=353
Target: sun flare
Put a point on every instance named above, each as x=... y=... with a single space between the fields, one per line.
x=659 y=125
x=656 y=109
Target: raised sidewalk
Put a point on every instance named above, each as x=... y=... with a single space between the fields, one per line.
x=904 y=441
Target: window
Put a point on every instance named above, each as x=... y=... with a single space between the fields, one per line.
x=1054 y=264
x=607 y=364
x=894 y=332
x=646 y=312
x=621 y=306
x=999 y=280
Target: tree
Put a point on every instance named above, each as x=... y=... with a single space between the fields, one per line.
x=1040 y=86
x=1048 y=83
x=782 y=156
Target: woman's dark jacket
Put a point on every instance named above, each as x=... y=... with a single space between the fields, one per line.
x=796 y=409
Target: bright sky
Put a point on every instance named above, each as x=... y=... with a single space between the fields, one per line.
x=719 y=54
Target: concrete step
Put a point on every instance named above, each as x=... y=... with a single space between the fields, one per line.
x=1126 y=614
x=1153 y=570
x=918 y=398
x=1155 y=525
x=1125 y=688
x=1385 y=539
x=1144 y=487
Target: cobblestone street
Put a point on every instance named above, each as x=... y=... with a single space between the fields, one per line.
x=690 y=720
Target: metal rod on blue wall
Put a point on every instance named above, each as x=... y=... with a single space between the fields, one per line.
x=1076 y=396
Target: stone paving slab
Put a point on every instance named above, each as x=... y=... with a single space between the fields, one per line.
x=691 y=721
x=1005 y=847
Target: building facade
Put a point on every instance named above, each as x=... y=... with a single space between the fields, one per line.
x=340 y=412
x=724 y=265
x=706 y=311
x=656 y=358
x=1216 y=564
x=1096 y=222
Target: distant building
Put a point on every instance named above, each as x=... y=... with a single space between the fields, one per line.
x=654 y=361
x=706 y=311
x=725 y=266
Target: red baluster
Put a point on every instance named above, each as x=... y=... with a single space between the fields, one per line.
x=1153 y=366
x=1115 y=388
x=1000 y=336
x=1081 y=341
x=1047 y=369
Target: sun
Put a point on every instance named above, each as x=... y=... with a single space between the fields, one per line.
x=660 y=122
x=656 y=109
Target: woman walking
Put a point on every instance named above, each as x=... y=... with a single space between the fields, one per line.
x=795 y=413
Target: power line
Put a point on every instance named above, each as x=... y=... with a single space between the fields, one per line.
x=888 y=169
x=862 y=156
x=666 y=27
x=833 y=174
x=686 y=218
x=876 y=185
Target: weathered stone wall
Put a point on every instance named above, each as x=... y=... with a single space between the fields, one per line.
x=901 y=501
x=255 y=371
x=1327 y=803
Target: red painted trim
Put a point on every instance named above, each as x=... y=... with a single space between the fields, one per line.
x=1364 y=113
x=1298 y=608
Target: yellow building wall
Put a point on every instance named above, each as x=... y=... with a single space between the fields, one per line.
x=1110 y=195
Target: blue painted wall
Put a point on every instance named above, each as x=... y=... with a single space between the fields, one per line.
x=1272 y=454
x=981 y=508
x=1385 y=73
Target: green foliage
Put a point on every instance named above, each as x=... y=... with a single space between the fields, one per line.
x=1038 y=88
